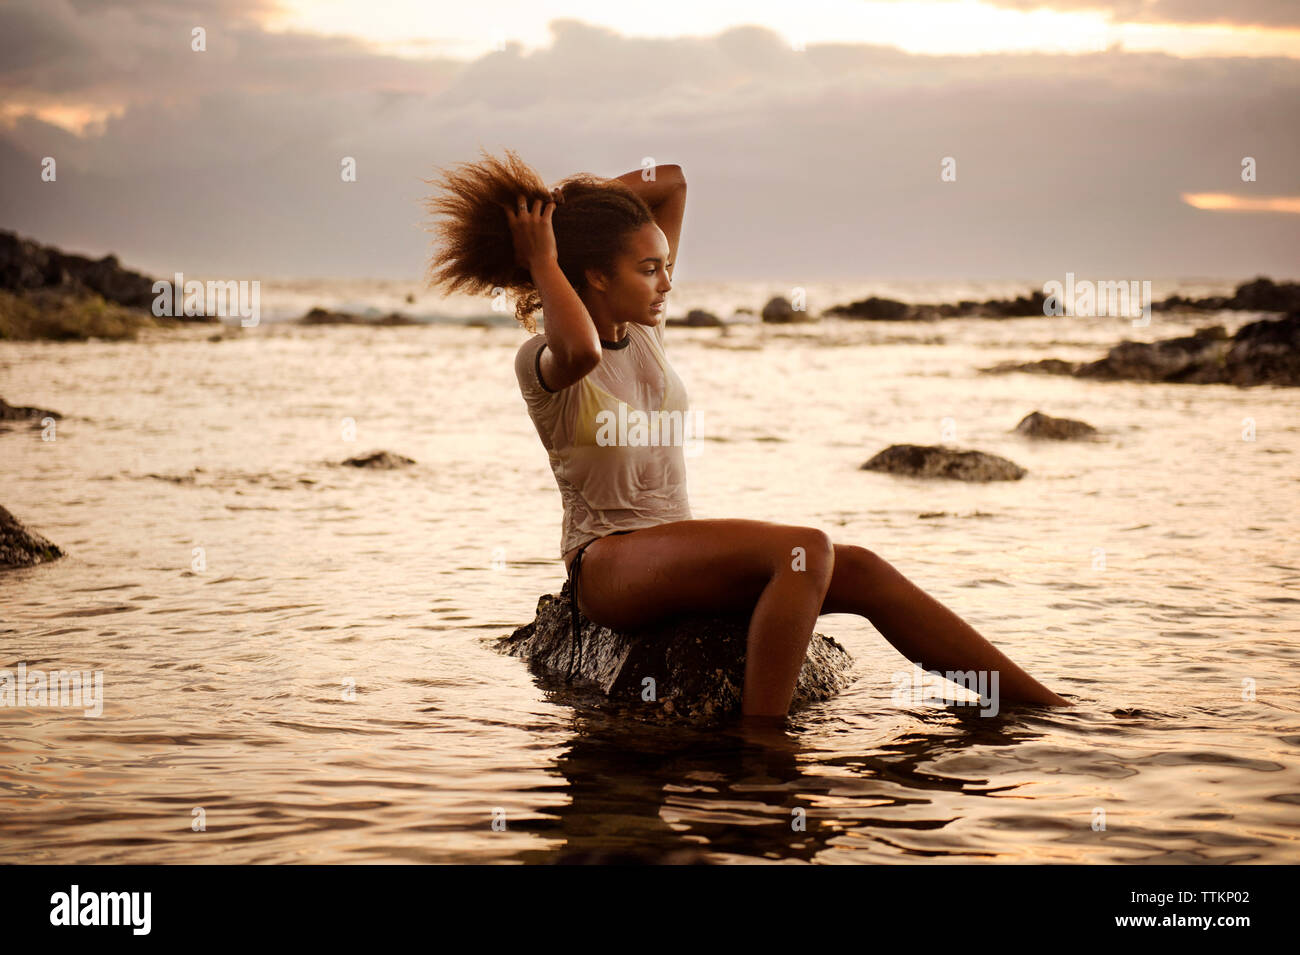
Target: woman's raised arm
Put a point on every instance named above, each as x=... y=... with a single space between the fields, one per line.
x=571 y=337
x=666 y=197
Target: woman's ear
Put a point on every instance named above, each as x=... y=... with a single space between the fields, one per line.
x=596 y=279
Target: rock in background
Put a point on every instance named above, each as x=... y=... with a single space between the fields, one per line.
x=1038 y=425
x=32 y=417
x=379 y=461
x=918 y=460
x=49 y=294
x=779 y=311
x=20 y=547
x=1266 y=352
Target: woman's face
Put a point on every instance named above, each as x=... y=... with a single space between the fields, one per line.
x=640 y=279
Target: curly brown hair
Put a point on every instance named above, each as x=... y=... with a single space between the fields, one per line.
x=477 y=250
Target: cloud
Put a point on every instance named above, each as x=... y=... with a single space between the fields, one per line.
x=803 y=165
x=1266 y=13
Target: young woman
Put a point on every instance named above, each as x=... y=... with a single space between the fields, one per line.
x=597 y=256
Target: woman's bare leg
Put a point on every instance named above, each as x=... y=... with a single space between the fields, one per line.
x=921 y=628
x=778 y=573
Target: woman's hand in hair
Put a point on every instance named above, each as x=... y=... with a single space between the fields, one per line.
x=530 y=225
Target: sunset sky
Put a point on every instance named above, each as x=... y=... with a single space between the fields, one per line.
x=1089 y=136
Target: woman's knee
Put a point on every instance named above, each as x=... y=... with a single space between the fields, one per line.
x=812 y=552
x=860 y=563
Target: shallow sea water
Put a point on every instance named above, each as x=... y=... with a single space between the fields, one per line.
x=1153 y=577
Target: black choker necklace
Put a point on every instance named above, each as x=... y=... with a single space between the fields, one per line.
x=622 y=343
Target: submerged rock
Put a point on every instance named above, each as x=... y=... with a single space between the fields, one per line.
x=20 y=547
x=695 y=664
x=697 y=318
x=779 y=311
x=1045 y=366
x=34 y=416
x=323 y=316
x=917 y=460
x=380 y=460
x=1038 y=425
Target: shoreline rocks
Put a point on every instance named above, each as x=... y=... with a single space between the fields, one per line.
x=48 y=294
x=1258 y=295
x=916 y=460
x=695 y=664
x=20 y=547
x=891 y=310
x=26 y=265
x=1265 y=352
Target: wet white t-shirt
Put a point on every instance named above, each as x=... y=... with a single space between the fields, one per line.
x=615 y=438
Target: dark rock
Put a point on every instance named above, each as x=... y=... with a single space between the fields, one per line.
x=697 y=662
x=10 y=412
x=1172 y=359
x=1045 y=366
x=323 y=316
x=1038 y=425
x=888 y=309
x=1263 y=295
x=779 y=310
x=915 y=460
x=379 y=460
x=1266 y=352
x=1176 y=303
x=1262 y=353
x=1258 y=295
x=48 y=294
x=20 y=547
x=1018 y=307
x=697 y=318
x=873 y=308
x=26 y=265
